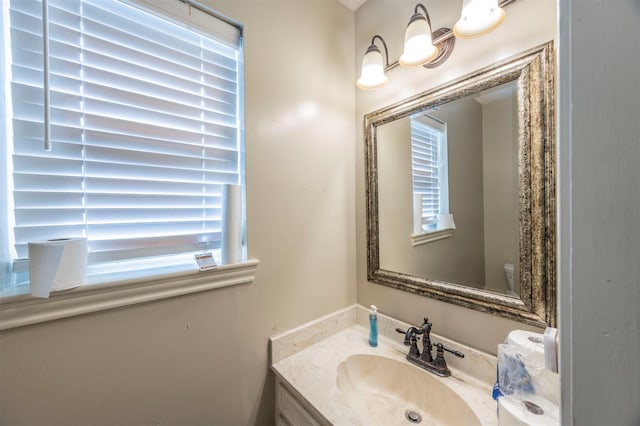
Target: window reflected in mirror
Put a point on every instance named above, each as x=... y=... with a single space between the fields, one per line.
x=429 y=169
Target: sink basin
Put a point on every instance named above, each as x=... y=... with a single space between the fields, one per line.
x=387 y=391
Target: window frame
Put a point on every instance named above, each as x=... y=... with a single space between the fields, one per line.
x=106 y=290
x=443 y=226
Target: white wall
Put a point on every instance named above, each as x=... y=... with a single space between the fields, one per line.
x=202 y=359
x=529 y=23
x=599 y=151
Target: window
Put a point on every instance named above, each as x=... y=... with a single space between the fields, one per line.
x=145 y=124
x=430 y=175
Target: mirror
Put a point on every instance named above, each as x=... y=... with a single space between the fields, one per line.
x=461 y=191
x=460 y=161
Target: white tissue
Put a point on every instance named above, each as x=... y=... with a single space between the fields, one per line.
x=231 y=224
x=56 y=265
x=527 y=410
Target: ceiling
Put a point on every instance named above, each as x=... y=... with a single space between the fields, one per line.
x=353 y=4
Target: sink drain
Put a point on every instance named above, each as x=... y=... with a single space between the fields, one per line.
x=413 y=417
x=533 y=408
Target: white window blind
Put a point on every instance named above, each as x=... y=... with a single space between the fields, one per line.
x=146 y=126
x=426 y=153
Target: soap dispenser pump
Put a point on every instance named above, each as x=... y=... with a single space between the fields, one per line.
x=373 y=326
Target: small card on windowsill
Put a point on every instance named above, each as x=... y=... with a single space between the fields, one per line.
x=205 y=261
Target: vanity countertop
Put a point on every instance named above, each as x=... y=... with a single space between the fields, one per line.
x=312 y=369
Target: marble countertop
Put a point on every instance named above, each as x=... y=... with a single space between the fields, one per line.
x=312 y=367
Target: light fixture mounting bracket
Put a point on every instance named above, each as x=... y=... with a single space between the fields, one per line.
x=445 y=46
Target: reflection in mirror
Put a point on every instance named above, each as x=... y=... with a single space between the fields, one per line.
x=461 y=191
x=448 y=192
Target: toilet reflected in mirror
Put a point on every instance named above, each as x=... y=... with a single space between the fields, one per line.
x=508 y=274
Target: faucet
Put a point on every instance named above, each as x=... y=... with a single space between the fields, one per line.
x=425 y=360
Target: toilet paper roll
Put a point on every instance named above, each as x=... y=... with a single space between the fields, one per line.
x=532 y=342
x=231 y=224
x=528 y=348
x=445 y=221
x=417 y=213
x=527 y=410
x=58 y=264
x=551 y=349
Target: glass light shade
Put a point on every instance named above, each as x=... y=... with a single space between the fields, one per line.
x=372 y=74
x=478 y=17
x=418 y=45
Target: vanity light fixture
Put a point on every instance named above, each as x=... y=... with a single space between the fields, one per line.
x=478 y=17
x=418 y=44
x=428 y=48
x=373 y=68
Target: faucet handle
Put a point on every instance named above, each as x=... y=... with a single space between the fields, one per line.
x=406 y=335
x=413 y=343
x=409 y=333
x=451 y=351
x=411 y=339
x=439 y=363
x=415 y=330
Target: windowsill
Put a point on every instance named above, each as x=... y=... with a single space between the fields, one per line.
x=114 y=290
x=429 y=237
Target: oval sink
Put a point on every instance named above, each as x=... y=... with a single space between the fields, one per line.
x=391 y=392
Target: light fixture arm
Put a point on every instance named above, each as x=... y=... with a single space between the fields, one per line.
x=426 y=13
x=503 y=3
x=386 y=50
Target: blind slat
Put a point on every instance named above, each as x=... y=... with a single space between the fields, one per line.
x=144 y=126
x=425 y=157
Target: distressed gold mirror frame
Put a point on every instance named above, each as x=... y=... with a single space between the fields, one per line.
x=533 y=70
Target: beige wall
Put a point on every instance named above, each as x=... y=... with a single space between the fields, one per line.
x=528 y=24
x=460 y=259
x=500 y=177
x=202 y=359
x=395 y=196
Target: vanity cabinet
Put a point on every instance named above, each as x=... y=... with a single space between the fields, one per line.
x=290 y=409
